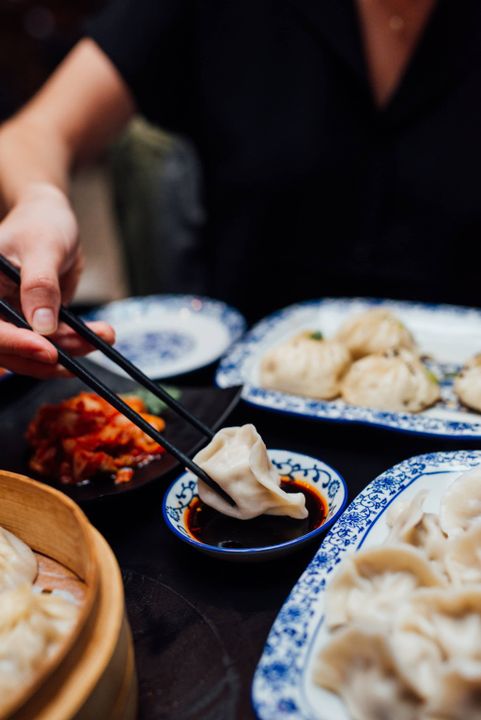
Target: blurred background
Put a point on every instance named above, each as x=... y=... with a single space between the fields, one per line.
x=139 y=205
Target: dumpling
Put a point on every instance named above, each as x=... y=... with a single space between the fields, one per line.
x=461 y=503
x=434 y=632
x=237 y=459
x=467 y=383
x=305 y=365
x=32 y=627
x=358 y=665
x=395 y=381
x=421 y=530
x=459 y=697
x=17 y=562
x=374 y=331
x=370 y=584
x=463 y=556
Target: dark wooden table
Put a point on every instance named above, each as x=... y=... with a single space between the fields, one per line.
x=200 y=624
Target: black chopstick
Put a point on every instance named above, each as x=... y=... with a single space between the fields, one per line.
x=95 y=384
x=77 y=324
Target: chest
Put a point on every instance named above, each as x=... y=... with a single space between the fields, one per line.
x=284 y=101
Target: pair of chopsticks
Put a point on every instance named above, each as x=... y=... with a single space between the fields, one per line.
x=101 y=389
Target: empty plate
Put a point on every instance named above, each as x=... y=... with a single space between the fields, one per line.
x=167 y=335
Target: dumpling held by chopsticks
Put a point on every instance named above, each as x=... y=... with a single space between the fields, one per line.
x=237 y=459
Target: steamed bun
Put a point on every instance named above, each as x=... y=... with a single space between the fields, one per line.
x=467 y=384
x=306 y=365
x=374 y=331
x=395 y=381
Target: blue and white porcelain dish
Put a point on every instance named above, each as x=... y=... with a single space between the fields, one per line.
x=311 y=471
x=283 y=688
x=448 y=334
x=167 y=335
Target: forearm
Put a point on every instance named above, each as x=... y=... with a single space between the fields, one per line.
x=73 y=117
x=30 y=156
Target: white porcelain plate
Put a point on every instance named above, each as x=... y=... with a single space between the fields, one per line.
x=448 y=334
x=321 y=477
x=283 y=688
x=167 y=335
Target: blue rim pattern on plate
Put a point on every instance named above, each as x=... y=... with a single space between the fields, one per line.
x=232 y=371
x=333 y=486
x=277 y=690
x=138 y=306
x=174 y=343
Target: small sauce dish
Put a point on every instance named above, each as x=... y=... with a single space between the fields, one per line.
x=265 y=537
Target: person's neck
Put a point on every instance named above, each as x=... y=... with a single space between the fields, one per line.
x=391 y=30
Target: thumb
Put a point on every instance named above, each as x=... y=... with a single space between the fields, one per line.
x=40 y=291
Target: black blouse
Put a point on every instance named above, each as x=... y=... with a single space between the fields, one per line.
x=310 y=189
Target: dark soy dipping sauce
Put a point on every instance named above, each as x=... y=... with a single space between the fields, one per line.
x=211 y=527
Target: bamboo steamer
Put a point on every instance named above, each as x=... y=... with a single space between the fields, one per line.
x=93 y=677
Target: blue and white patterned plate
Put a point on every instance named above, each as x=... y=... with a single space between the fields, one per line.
x=283 y=688
x=447 y=333
x=167 y=335
x=314 y=472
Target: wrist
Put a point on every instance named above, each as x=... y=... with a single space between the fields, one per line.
x=35 y=190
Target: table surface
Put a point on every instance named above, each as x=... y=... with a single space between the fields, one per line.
x=200 y=624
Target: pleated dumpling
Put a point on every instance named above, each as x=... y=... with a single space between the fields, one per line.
x=463 y=557
x=32 y=627
x=467 y=383
x=358 y=665
x=236 y=458
x=395 y=381
x=17 y=562
x=461 y=503
x=458 y=697
x=435 y=631
x=370 y=584
x=415 y=527
x=374 y=331
x=305 y=365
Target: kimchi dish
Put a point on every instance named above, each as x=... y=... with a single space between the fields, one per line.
x=82 y=437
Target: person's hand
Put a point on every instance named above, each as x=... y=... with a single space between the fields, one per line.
x=40 y=236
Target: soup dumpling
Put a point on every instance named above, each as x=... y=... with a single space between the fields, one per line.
x=306 y=365
x=395 y=381
x=374 y=331
x=467 y=383
x=236 y=458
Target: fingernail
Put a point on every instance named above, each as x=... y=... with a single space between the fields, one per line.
x=43 y=321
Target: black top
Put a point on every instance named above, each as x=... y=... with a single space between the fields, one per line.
x=310 y=190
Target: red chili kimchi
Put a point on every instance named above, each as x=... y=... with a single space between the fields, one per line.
x=84 y=436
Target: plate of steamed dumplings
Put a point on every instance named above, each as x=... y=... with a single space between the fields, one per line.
x=386 y=620
x=34 y=623
x=406 y=366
